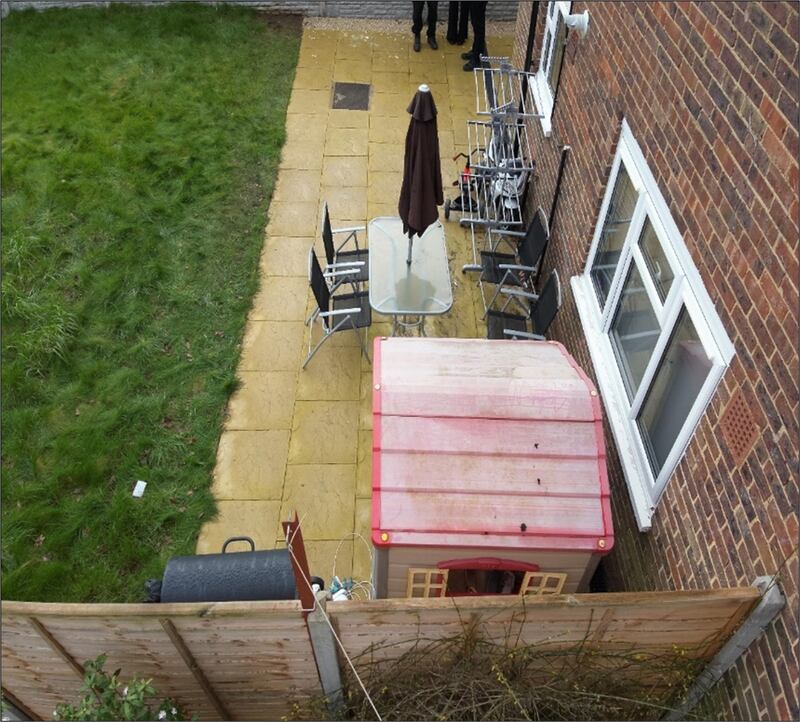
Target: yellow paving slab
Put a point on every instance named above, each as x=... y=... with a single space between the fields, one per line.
x=346 y=203
x=316 y=57
x=303 y=156
x=256 y=518
x=325 y=557
x=364 y=467
x=283 y=256
x=314 y=77
x=251 y=464
x=310 y=102
x=263 y=401
x=344 y=171
x=300 y=132
x=384 y=186
x=324 y=495
x=324 y=432
x=352 y=71
x=389 y=81
x=374 y=209
x=293 y=218
x=389 y=104
x=334 y=373
x=389 y=132
x=346 y=141
x=295 y=185
x=385 y=156
x=362 y=544
x=354 y=47
x=272 y=345
x=393 y=58
x=339 y=118
x=281 y=298
x=365 y=397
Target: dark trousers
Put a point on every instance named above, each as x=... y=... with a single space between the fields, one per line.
x=457 y=20
x=417 y=26
x=477 y=16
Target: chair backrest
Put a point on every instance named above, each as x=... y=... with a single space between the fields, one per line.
x=533 y=246
x=327 y=234
x=319 y=286
x=546 y=307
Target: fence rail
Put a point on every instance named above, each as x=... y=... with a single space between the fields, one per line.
x=251 y=660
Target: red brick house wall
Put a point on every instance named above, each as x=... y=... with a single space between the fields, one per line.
x=710 y=91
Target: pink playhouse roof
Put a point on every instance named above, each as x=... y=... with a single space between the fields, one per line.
x=487 y=444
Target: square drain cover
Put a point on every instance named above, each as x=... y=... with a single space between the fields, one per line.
x=351 y=96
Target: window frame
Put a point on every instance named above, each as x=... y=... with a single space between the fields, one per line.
x=556 y=12
x=686 y=291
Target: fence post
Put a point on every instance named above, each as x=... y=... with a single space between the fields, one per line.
x=324 y=646
x=771 y=603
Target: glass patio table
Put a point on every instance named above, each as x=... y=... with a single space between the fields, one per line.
x=404 y=291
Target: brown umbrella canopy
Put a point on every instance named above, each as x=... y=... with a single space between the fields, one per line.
x=422 y=170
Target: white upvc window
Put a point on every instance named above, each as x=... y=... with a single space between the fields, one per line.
x=657 y=344
x=545 y=82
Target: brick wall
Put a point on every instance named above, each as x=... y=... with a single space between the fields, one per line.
x=389 y=9
x=710 y=91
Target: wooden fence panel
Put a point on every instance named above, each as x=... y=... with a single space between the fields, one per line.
x=251 y=660
x=698 y=622
x=246 y=660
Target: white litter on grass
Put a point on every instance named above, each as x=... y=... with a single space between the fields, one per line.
x=138 y=490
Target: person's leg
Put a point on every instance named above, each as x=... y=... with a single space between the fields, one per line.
x=468 y=7
x=463 y=21
x=452 y=22
x=417 y=22
x=432 y=17
x=416 y=27
x=478 y=17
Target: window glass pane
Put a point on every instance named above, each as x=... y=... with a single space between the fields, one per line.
x=657 y=263
x=548 y=37
x=558 y=53
x=676 y=385
x=634 y=330
x=612 y=237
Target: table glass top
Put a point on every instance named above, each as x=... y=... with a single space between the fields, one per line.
x=395 y=288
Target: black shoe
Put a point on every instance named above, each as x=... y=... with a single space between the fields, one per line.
x=466 y=56
x=416 y=44
x=469 y=66
x=432 y=42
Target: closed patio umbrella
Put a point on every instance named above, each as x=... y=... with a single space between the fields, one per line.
x=421 y=191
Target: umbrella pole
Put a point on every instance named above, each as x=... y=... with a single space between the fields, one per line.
x=410 y=243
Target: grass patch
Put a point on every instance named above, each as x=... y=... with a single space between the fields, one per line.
x=140 y=147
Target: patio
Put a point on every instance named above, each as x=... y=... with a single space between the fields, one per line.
x=302 y=439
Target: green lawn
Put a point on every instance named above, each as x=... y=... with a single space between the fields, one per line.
x=140 y=147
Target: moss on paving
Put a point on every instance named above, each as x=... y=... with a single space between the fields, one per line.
x=140 y=147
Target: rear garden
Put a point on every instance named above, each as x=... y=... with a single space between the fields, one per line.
x=140 y=147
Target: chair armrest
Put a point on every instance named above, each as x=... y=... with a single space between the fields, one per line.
x=516 y=234
x=471 y=267
x=339 y=272
x=519 y=293
x=523 y=334
x=346 y=264
x=340 y=312
x=514 y=267
x=349 y=229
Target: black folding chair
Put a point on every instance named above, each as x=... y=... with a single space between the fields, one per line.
x=347 y=266
x=542 y=311
x=517 y=270
x=335 y=313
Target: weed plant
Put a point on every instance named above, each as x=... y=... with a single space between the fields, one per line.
x=140 y=146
